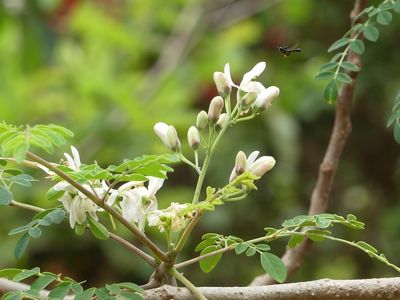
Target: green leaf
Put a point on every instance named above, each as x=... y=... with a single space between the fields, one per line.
x=295 y=240
x=55 y=217
x=396 y=132
x=26 y=274
x=9 y=273
x=80 y=229
x=210 y=235
x=263 y=247
x=240 y=248
x=113 y=289
x=357 y=46
x=336 y=57
x=21 y=246
x=85 y=295
x=42 y=282
x=5 y=196
x=205 y=243
x=35 y=232
x=384 y=18
x=274 y=266
x=367 y=247
x=331 y=91
x=23 y=179
x=98 y=229
x=102 y=294
x=324 y=75
x=12 y=296
x=371 y=33
x=60 y=291
x=130 y=286
x=349 y=66
x=53 y=195
x=209 y=263
x=250 y=251
x=339 y=44
x=20 y=151
x=317 y=235
x=328 y=66
x=343 y=77
x=322 y=222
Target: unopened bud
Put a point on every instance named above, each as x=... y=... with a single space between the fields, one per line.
x=249 y=99
x=264 y=100
x=222 y=120
x=172 y=138
x=240 y=163
x=202 y=120
x=215 y=109
x=193 y=138
x=222 y=84
x=262 y=165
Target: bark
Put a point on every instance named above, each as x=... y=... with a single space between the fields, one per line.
x=323 y=289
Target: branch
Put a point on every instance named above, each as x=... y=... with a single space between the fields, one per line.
x=293 y=258
x=324 y=289
x=98 y=201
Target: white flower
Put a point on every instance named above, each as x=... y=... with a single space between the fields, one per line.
x=73 y=162
x=137 y=202
x=255 y=166
x=247 y=78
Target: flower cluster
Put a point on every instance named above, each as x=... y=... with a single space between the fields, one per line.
x=133 y=199
x=174 y=218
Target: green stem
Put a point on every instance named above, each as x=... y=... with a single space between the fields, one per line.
x=186 y=161
x=98 y=201
x=26 y=206
x=187 y=283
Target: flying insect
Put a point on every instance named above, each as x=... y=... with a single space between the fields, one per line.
x=286 y=51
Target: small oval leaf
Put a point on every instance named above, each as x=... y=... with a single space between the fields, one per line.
x=274 y=266
x=209 y=263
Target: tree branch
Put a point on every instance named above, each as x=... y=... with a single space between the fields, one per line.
x=293 y=258
x=324 y=289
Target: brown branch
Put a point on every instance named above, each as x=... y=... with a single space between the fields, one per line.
x=293 y=258
x=324 y=289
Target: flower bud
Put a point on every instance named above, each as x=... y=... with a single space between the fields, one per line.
x=262 y=165
x=222 y=84
x=265 y=99
x=173 y=140
x=193 y=138
x=240 y=163
x=222 y=120
x=249 y=99
x=215 y=109
x=202 y=120
x=168 y=136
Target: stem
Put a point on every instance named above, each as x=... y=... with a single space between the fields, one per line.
x=98 y=201
x=26 y=206
x=186 y=233
x=187 y=283
x=186 y=161
x=150 y=260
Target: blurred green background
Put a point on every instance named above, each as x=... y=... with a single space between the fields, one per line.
x=110 y=69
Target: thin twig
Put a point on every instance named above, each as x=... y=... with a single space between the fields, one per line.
x=293 y=258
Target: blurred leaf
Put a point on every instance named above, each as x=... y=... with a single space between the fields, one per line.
x=367 y=246
x=42 y=282
x=384 y=18
x=349 y=66
x=35 y=232
x=324 y=75
x=85 y=295
x=343 y=77
x=21 y=246
x=98 y=229
x=250 y=251
x=209 y=263
x=26 y=274
x=339 y=44
x=60 y=291
x=274 y=266
x=331 y=91
x=205 y=243
x=5 y=196
x=241 y=248
x=357 y=46
x=328 y=66
x=295 y=240
x=371 y=33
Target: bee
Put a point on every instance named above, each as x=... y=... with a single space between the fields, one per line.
x=286 y=51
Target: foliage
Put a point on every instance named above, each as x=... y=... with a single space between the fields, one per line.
x=395 y=119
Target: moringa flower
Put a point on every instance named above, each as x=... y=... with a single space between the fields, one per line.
x=169 y=136
x=255 y=166
x=173 y=218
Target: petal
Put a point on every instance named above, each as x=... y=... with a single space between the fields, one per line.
x=70 y=161
x=253 y=86
x=155 y=184
x=127 y=186
x=250 y=160
x=75 y=155
x=253 y=73
x=227 y=71
x=66 y=200
x=262 y=165
x=161 y=130
x=65 y=186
